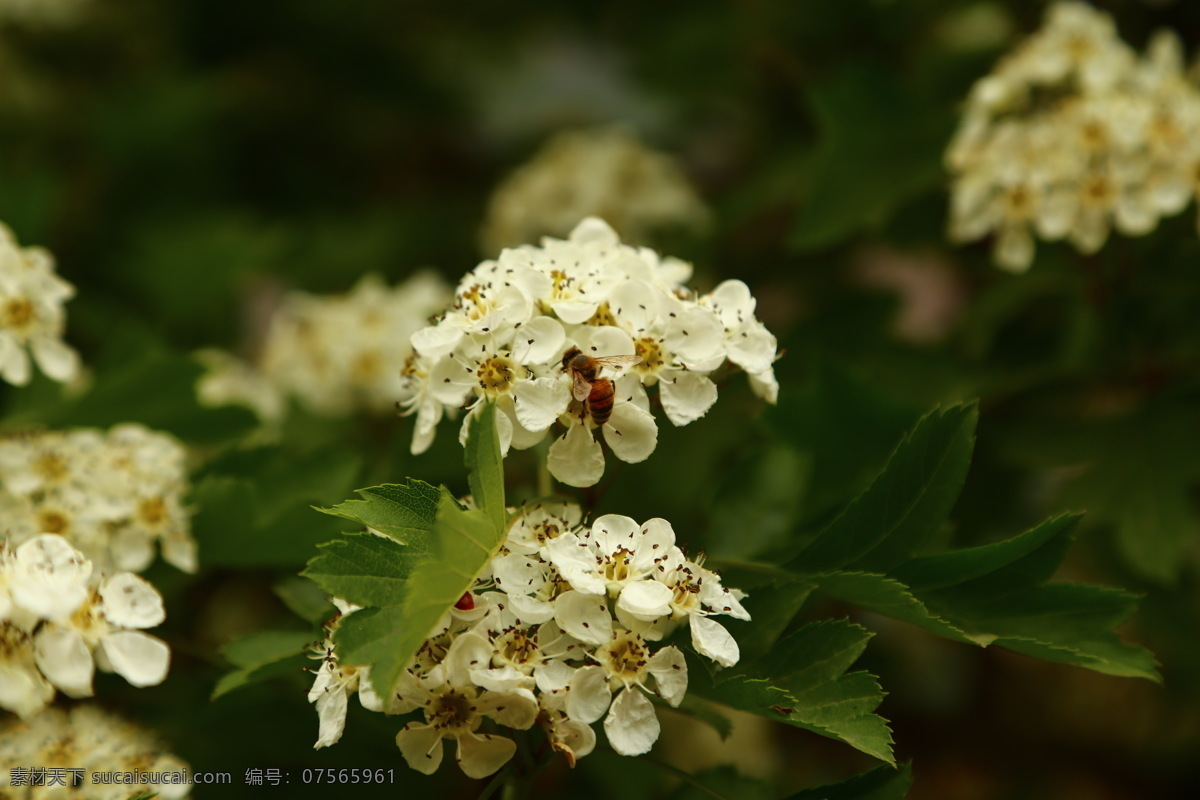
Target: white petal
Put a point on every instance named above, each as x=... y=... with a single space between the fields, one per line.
x=530 y=610
x=710 y=639
x=616 y=530
x=14 y=362
x=331 y=711
x=436 y=341
x=765 y=385
x=646 y=599
x=540 y=402
x=631 y=725
x=584 y=616
x=421 y=746
x=554 y=676
x=695 y=336
x=670 y=674
x=137 y=657
x=687 y=397
x=131 y=602
x=538 y=341
x=593 y=230
x=631 y=433
x=753 y=348
x=635 y=305
x=499 y=680
x=469 y=651
x=65 y=660
x=576 y=562
x=450 y=381
x=367 y=695
x=733 y=302
x=607 y=341
x=516 y=574
x=23 y=690
x=479 y=755
x=588 y=695
x=48 y=577
x=56 y=359
x=576 y=458
x=574 y=312
x=515 y=708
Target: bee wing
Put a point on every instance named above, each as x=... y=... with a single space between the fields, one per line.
x=618 y=363
x=580 y=387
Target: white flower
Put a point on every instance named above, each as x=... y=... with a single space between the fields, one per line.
x=23 y=688
x=112 y=495
x=92 y=740
x=455 y=710
x=330 y=691
x=1072 y=135
x=626 y=665
x=31 y=314
x=108 y=627
x=340 y=353
x=603 y=171
x=514 y=320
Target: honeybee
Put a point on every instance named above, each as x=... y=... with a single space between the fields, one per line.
x=593 y=392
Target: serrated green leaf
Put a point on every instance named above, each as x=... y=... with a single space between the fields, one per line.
x=1025 y=557
x=905 y=505
x=803 y=682
x=485 y=467
x=366 y=568
x=881 y=783
x=376 y=637
x=997 y=594
x=401 y=510
x=889 y=597
x=462 y=544
x=771 y=610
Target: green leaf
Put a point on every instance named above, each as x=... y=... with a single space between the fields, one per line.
x=881 y=783
x=997 y=594
x=403 y=511
x=485 y=467
x=803 y=682
x=906 y=504
x=462 y=544
x=262 y=655
x=367 y=569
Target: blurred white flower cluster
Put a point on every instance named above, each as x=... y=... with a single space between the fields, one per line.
x=1073 y=134
x=60 y=619
x=334 y=353
x=112 y=494
x=562 y=630
x=602 y=172
x=31 y=314
x=89 y=739
x=515 y=318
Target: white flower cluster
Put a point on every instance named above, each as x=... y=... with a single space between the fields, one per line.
x=335 y=353
x=560 y=630
x=602 y=172
x=111 y=494
x=31 y=314
x=89 y=739
x=514 y=319
x=59 y=620
x=1072 y=134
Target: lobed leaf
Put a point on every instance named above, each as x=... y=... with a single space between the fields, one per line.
x=403 y=511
